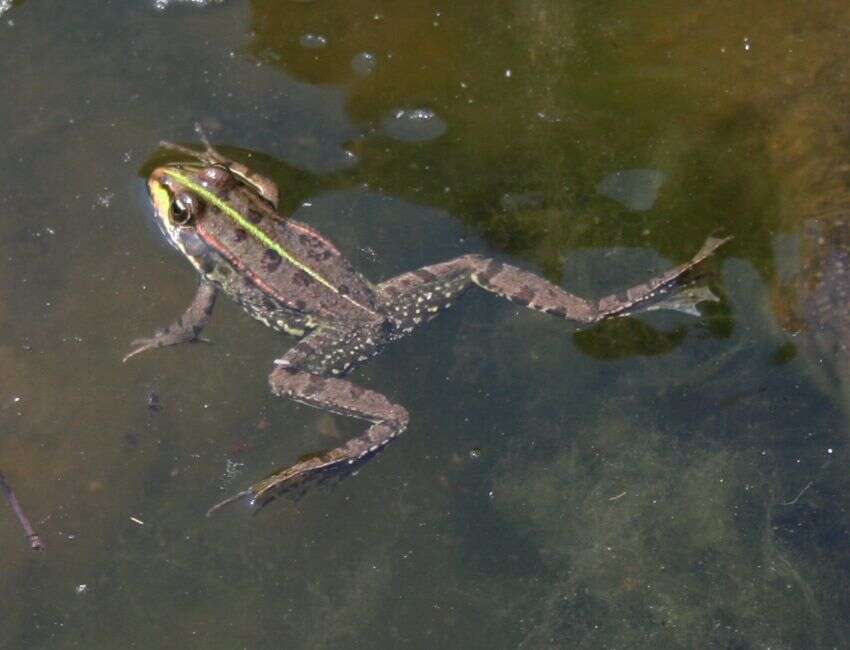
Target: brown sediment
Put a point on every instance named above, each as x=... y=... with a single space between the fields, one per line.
x=810 y=150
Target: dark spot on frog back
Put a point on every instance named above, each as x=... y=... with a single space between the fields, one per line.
x=271 y=260
x=315 y=248
x=239 y=234
x=254 y=215
x=300 y=278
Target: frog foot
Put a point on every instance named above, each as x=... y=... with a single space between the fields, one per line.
x=209 y=156
x=187 y=328
x=684 y=300
x=160 y=340
x=308 y=470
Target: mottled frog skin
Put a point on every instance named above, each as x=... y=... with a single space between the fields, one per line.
x=223 y=218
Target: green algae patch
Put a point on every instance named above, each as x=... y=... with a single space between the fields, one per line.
x=649 y=541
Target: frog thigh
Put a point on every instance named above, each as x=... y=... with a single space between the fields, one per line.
x=335 y=351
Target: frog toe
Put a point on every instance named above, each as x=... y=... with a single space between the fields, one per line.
x=243 y=495
x=140 y=345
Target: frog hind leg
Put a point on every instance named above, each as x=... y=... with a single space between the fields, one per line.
x=187 y=327
x=416 y=297
x=311 y=373
x=534 y=292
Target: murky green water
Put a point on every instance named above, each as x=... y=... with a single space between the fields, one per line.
x=655 y=482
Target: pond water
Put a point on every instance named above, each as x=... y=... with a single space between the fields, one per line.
x=659 y=481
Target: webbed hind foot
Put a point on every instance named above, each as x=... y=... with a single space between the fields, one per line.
x=309 y=471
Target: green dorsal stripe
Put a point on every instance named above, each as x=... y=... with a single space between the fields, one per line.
x=249 y=227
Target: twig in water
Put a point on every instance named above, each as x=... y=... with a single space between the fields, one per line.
x=35 y=541
x=797 y=498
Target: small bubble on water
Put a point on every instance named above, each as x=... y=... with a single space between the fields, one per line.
x=162 y=5
x=313 y=41
x=475 y=453
x=414 y=125
x=363 y=64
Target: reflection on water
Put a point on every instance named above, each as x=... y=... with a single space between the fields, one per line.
x=662 y=481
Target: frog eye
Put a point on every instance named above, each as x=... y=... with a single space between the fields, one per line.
x=184 y=208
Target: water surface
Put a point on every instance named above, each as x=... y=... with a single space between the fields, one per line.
x=658 y=481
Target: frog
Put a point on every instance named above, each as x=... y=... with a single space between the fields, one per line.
x=223 y=218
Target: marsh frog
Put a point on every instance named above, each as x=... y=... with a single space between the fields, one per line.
x=223 y=218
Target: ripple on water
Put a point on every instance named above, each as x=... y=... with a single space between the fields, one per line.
x=414 y=125
x=635 y=189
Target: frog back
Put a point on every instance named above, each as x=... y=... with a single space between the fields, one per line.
x=270 y=263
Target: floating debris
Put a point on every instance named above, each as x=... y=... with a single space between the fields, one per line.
x=154 y=401
x=35 y=541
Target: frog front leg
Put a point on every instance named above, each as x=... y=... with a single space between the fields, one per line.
x=186 y=328
x=302 y=375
